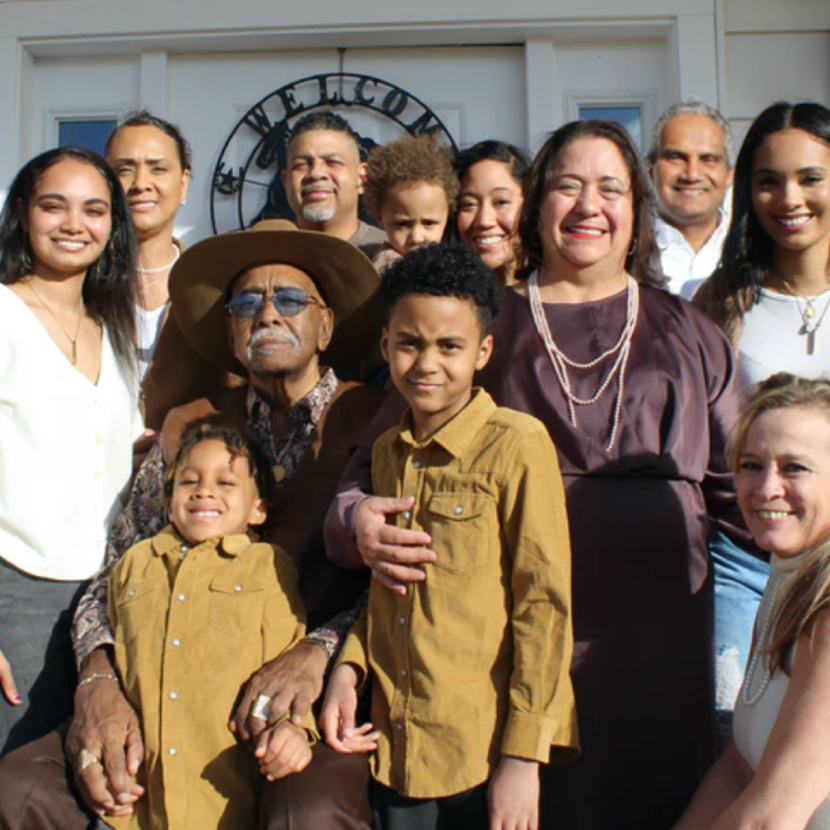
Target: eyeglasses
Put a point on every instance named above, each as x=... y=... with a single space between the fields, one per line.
x=287 y=301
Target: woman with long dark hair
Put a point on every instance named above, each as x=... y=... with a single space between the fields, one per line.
x=68 y=416
x=772 y=290
x=491 y=175
x=771 y=295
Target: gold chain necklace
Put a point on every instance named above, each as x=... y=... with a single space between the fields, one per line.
x=73 y=341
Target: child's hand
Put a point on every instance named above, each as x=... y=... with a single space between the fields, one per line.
x=513 y=795
x=282 y=750
x=338 y=714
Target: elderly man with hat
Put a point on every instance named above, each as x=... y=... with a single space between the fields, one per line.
x=284 y=308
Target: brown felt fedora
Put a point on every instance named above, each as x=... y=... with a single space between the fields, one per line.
x=344 y=276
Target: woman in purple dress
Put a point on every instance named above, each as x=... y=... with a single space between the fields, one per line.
x=636 y=388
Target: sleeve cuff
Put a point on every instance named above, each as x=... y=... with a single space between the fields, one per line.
x=539 y=738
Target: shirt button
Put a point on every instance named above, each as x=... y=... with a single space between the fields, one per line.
x=172 y=750
x=417 y=464
x=99 y=439
x=182 y=597
x=97 y=475
x=176 y=641
x=174 y=695
x=407 y=514
x=132 y=593
x=237 y=588
x=404 y=672
x=399 y=726
x=458 y=510
x=402 y=620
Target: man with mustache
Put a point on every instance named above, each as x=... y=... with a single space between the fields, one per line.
x=690 y=159
x=323 y=180
x=283 y=308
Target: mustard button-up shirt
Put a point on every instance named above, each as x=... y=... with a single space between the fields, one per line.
x=188 y=635
x=473 y=663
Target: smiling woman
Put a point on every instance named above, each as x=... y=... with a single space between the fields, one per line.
x=491 y=175
x=775 y=773
x=631 y=383
x=152 y=160
x=68 y=387
x=772 y=291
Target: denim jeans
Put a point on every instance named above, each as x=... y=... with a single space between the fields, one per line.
x=740 y=579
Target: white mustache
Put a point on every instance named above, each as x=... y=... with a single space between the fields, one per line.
x=280 y=334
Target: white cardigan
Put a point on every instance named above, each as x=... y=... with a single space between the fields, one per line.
x=65 y=450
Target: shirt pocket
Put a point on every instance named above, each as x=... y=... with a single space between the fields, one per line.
x=460 y=525
x=134 y=608
x=236 y=605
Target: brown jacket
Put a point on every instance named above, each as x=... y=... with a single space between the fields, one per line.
x=296 y=518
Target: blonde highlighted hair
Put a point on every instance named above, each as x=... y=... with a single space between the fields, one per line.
x=809 y=594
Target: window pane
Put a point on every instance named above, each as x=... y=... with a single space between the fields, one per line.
x=92 y=133
x=628 y=117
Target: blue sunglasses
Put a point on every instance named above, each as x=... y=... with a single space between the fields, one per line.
x=287 y=301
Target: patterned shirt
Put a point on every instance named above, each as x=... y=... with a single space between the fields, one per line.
x=146 y=513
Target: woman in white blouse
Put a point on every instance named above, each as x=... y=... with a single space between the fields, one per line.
x=68 y=416
x=776 y=771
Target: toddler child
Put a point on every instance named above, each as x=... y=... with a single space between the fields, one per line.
x=470 y=668
x=410 y=188
x=195 y=611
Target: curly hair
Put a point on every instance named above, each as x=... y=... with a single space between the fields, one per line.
x=110 y=283
x=144 y=118
x=409 y=160
x=444 y=270
x=237 y=445
x=642 y=260
x=748 y=250
x=809 y=593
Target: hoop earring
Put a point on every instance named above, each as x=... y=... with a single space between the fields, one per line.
x=27 y=256
x=633 y=246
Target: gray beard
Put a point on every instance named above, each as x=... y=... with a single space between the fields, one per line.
x=324 y=213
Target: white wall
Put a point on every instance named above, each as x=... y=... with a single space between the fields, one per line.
x=490 y=69
x=774 y=51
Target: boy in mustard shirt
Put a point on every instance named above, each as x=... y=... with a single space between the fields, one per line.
x=470 y=668
x=195 y=611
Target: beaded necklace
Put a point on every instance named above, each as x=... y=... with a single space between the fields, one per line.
x=560 y=361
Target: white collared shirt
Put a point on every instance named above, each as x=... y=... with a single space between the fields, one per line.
x=65 y=450
x=685 y=268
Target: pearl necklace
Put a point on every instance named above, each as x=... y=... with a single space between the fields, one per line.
x=561 y=361
x=161 y=269
x=751 y=700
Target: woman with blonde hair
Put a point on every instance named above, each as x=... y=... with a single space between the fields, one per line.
x=776 y=771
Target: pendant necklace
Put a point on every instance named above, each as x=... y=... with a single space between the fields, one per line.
x=279 y=470
x=73 y=341
x=811 y=320
x=561 y=362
